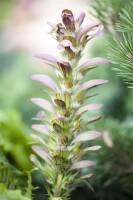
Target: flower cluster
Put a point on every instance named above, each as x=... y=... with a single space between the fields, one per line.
x=62 y=135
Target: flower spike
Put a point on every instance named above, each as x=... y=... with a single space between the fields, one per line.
x=63 y=128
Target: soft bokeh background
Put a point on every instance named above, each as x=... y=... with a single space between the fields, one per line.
x=23 y=32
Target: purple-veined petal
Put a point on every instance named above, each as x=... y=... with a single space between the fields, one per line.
x=91 y=84
x=93 y=148
x=42 y=153
x=41 y=128
x=68 y=19
x=88 y=135
x=43 y=103
x=82 y=164
x=79 y=17
x=46 y=80
x=61 y=148
x=88 y=107
x=87 y=28
x=86 y=176
x=94 y=61
x=47 y=58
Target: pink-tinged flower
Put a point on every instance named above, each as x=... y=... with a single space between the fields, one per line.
x=46 y=80
x=88 y=135
x=98 y=31
x=90 y=84
x=93 y=148
x=88 y=107
x=43 y=103
x=44 y=154
x=82 y=164
x=68 y=19
x=66 y=44
x=86 y=29
x=86 y=176
x=94 y=61
x=41 y=128
x=79 y=17
x=48 y=58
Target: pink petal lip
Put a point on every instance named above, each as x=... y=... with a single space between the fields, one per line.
x=88 y=135
x=41 y=128
x=46 y=57
x=87 y=28
x=88 y=107
x=82 y=164
x=91 y=84
x=94 y=61
x=43 y=103
x=44 y=154
x=46 y=80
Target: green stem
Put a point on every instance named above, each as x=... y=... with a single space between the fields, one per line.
x=57 y=188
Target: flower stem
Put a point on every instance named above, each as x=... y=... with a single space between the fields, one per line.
x=57 y=188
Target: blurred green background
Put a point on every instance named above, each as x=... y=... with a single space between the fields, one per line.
x=20 y=38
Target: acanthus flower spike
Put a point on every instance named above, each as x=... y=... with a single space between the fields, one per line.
x=62 y=132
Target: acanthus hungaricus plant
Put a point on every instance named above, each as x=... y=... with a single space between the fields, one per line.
x=61 y=143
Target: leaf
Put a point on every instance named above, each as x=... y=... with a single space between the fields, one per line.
x=43 y=103
x=11 y=194
x=46 y=80
x=30 y=187
x=84 y=181
x=88 y=107
x=82 y=164
x=41 y=128
x=88 y=135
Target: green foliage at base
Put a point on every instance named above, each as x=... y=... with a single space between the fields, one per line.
x=11 y=194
